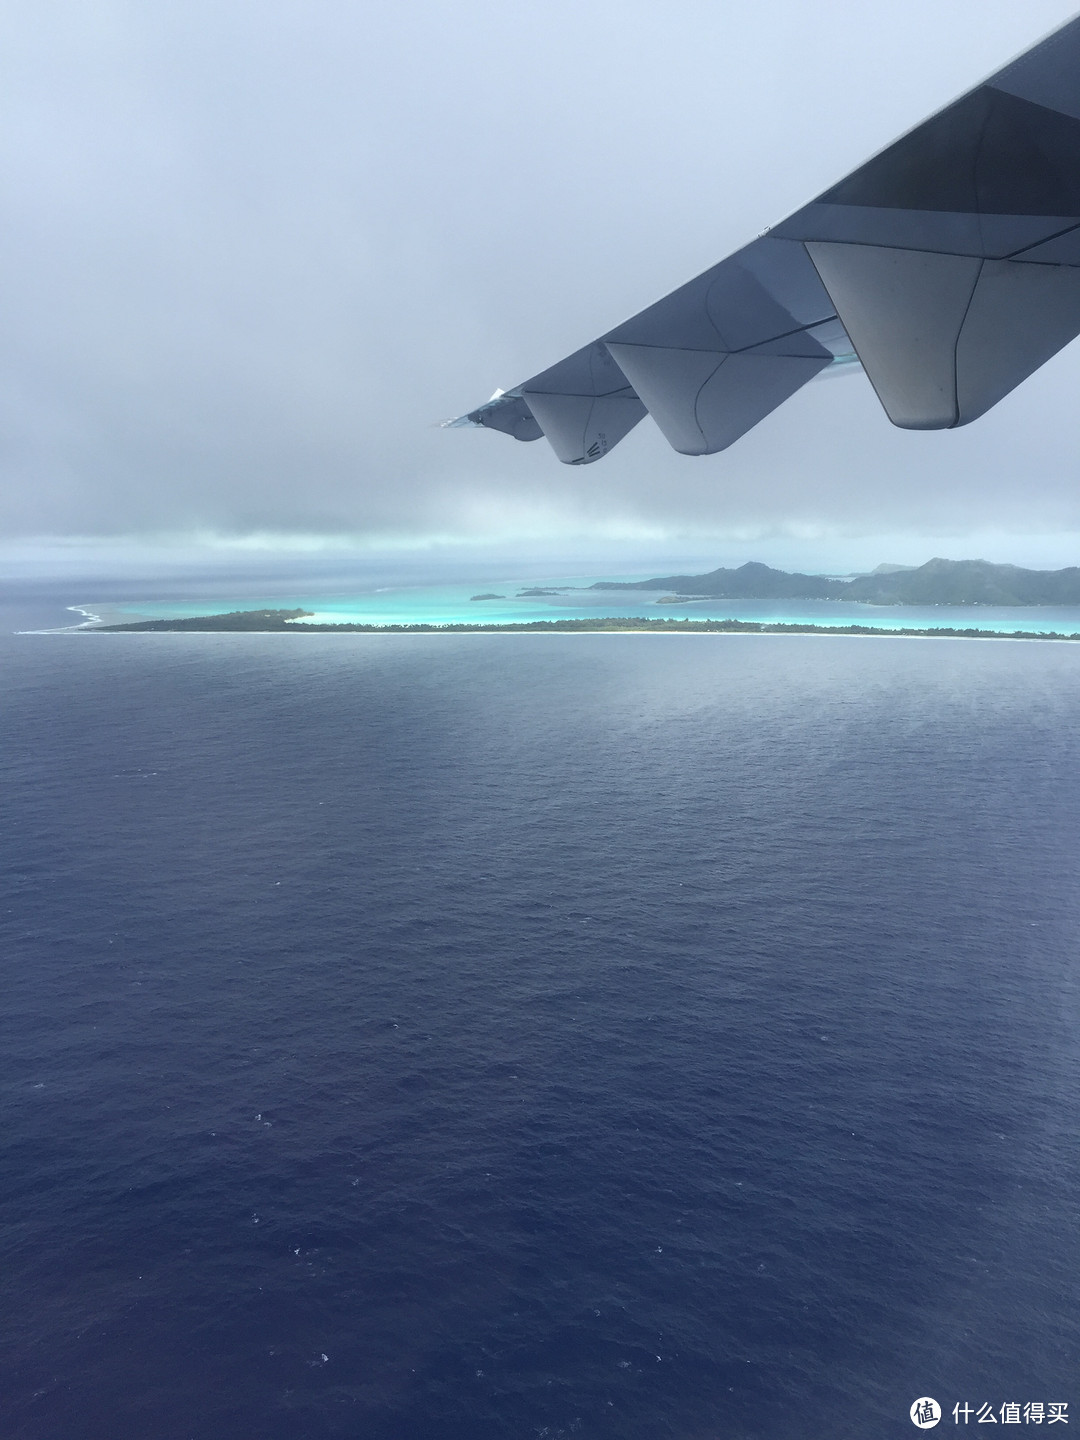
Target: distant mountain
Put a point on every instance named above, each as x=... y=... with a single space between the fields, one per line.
x=752 y=581
x=969 y=582
x=938 y=582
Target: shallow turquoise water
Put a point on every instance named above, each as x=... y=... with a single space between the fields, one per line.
x=453 y=604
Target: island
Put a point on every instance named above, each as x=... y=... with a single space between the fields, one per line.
x=938 y=582
x=968 y=583
x=260 y=620
x=280 y=622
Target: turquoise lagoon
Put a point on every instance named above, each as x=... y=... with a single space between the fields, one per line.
x=570 y=598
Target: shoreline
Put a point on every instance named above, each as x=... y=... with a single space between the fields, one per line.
x=263 y=622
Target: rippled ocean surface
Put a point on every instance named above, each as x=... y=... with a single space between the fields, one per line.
x=453 y=1037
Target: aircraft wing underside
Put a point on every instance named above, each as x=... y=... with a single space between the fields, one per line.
x=947 y=267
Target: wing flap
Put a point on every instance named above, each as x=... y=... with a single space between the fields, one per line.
x=704 y=400
x=584 y=405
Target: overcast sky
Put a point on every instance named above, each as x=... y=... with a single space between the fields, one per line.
x=254 y=249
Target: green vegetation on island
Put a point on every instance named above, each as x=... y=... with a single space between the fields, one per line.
x=260 y=620
x=938 y=582
x=278 y=621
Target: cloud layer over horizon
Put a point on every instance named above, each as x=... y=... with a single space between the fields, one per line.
x=255 y=251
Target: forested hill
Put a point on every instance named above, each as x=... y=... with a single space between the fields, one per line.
x=938 y=582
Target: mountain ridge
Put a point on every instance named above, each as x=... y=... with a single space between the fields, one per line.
x=938 y=582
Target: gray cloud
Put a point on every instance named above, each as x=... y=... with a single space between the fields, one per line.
x=255 y=250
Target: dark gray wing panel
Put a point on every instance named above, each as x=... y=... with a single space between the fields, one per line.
x=948 y=266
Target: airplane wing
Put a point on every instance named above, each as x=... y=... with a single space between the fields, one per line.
x=947 y=267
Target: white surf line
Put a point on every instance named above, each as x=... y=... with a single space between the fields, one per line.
x=91 y=621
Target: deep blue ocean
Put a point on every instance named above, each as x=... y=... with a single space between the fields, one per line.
x=492 y=1037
